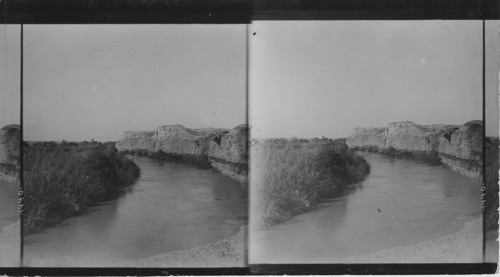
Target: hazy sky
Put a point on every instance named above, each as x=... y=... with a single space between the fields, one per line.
x=10 y=63
x=492 y=76
x=86 y=82
x=324 y=78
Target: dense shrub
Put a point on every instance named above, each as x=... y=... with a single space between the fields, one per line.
x=491 y=183
x=289 y=177
x=61 y=180
x=430 y=157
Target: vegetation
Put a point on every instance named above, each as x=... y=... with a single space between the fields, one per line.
x=430 y=157
x=199 y=160
x=9 y=169
x=61 y=180
x=290 y=176
x=491 y=183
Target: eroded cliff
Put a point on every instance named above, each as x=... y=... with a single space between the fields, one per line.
x=228 y=152
x=461 y=148
x=223 y=149
x=458 y=147
x=137 y=140
x=9 y=152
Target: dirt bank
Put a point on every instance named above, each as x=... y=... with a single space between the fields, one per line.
x=10 y=179
x=227 y=252
x=464 y=246
x=10 y=245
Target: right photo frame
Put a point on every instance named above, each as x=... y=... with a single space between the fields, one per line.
x=367 y=142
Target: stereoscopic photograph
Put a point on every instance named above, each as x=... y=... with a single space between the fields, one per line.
x=135 y=145
x=367 y=142
x=10 y=107
x=234 y=145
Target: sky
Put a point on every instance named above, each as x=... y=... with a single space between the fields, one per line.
x=325 y=78
x=86 y=82
x=492 y=38
x=10 y=63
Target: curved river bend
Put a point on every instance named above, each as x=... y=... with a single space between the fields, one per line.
x=402 y=202
x=172 y=206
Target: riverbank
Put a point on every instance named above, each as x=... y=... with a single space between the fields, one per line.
x=289 y=177
x=10 y=154
x=62 y=179
x=491 y=178
x=10 y=245
x=428 y=157
x=9 y=179
x=491 y=183
x=458 y=147
x=225 y=150
x=172 y=206
x=227 y=252
x=402 y=202
x=464 y=246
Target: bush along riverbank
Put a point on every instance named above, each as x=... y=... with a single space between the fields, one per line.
x=290 y=176
x=197 y=160
x=62 y=179
x=429 y=157
x=10 y=154
x=491 y=183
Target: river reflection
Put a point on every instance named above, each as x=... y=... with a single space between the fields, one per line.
x=173 y=206
x=402 y=202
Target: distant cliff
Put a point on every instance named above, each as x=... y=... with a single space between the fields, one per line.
x=228 y=152
x=225 y=150
x=461 y=149
x=9 y=152
x=458 y=147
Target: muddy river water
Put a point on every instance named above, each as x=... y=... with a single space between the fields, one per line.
x=402 y=202
x=172 y=206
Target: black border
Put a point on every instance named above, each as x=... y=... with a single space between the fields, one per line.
x=237 y=11
x=124 y=11
x=365 y=269
x=282 y=269
x=374 y=10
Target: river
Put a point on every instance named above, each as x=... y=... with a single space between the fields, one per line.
x=402 y=202
x=8 y=203
x=172 y=206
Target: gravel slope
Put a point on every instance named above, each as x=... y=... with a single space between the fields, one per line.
x=227 y=252
x=464 y=246
x=10 y=243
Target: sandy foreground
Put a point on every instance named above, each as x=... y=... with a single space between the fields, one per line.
x=227 y=252
x=464 y=246
x=10 y=245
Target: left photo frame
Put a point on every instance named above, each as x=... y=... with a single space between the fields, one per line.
x=135 y=146
x=10 y=140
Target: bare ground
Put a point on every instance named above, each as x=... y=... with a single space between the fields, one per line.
x=10 y=245
x=464 y=246
x=227 y=252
